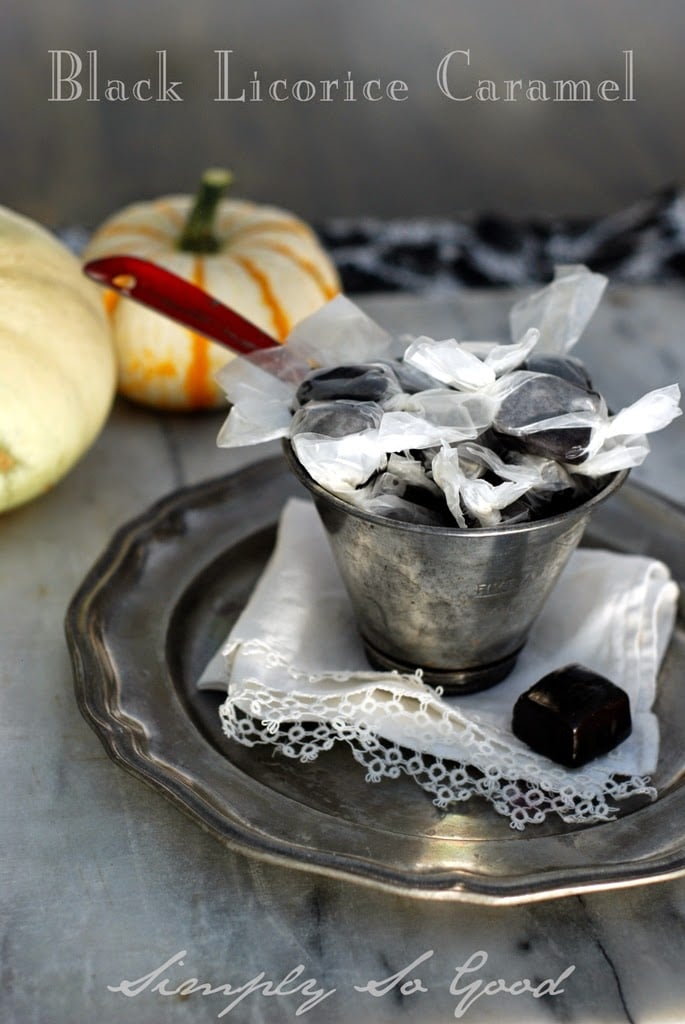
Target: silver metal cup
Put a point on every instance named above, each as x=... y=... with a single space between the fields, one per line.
x=458 y=604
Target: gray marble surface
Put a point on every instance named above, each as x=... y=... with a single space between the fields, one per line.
x=103 y=880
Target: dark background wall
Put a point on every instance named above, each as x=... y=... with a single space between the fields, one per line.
x=65 y=162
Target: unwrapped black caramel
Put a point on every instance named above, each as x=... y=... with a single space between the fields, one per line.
x=572 y=716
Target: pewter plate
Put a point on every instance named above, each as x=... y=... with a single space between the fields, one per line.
x=162 y=598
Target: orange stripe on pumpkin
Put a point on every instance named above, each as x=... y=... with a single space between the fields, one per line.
x=177 y=218
x=7 y=461
x=303 y=263
x=280 y=320
x=167 y=368
x=110 y=300
x=198 y=384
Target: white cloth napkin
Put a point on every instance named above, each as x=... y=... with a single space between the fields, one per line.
x=297 y=677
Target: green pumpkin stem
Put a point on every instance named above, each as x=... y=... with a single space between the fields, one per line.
x=198 y=235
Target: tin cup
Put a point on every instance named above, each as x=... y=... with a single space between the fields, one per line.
x=458 y=604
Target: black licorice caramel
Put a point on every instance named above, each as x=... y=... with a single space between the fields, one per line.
x=535 y=397
x=572 y=716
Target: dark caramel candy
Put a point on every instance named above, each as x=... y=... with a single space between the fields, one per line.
x=412 y=380
x=359 y=382
x=335 y=419
x=535 y=397
x=572 y=716
x=568 y=367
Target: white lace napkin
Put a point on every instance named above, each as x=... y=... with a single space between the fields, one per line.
x=297 y=678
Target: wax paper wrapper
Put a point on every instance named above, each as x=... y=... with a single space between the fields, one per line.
x=422 y=395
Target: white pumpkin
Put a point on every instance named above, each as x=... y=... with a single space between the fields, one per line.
x=263 y=262
x=57 y=365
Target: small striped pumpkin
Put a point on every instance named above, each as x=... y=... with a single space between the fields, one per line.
x=263 y=262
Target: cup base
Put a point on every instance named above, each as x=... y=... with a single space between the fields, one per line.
x=452 y=681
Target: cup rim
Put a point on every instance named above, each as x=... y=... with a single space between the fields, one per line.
x=614 y=481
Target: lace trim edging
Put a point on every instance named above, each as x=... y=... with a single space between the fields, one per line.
x=448 y=782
